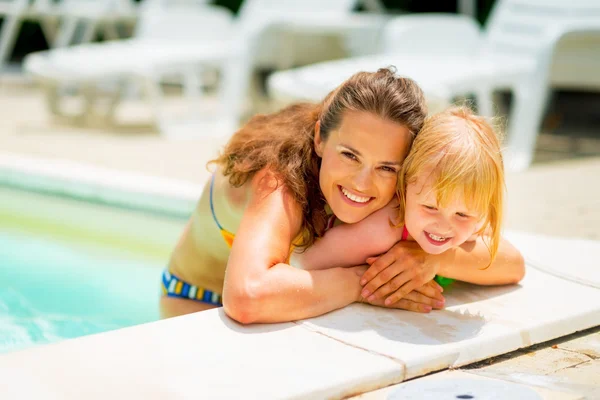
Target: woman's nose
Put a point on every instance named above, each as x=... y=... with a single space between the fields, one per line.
x=363 y=179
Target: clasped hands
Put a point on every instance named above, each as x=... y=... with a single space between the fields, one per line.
x=403 y=278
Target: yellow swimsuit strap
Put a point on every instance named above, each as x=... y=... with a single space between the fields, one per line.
x=229 y=236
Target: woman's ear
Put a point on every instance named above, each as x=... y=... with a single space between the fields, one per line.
x=319 y=142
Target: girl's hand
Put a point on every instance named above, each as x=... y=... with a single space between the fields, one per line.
x=394 y=275
x=422 y=300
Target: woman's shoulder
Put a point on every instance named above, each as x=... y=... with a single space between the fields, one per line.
x=267 y=181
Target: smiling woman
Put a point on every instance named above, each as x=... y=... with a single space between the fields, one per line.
x=279 y=180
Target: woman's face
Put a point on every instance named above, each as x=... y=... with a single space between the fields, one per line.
x=360 y=164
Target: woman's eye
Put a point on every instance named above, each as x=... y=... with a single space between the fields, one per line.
x=349 y=155
x=389 y=169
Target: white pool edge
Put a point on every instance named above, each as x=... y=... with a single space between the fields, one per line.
x=99 y=184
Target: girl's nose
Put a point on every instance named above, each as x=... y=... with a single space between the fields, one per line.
x=443 y=225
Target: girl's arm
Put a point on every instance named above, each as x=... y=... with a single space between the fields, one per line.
x=351 y=244
x=406 y=266
x=468 y=263
x=259 y=285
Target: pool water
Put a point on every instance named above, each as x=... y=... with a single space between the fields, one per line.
x=56 y=286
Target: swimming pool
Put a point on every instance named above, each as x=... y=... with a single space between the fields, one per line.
x=70 y=268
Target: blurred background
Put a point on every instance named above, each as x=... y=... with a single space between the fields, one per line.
x=199 y=68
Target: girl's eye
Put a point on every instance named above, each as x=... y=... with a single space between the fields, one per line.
x=429 y=207
x=349 y=155
x=462 y=215
x=389 y=169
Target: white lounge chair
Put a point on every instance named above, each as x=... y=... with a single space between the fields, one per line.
x=60 y=18
x=13 y=13
x=449 y=56
x=93 y=15
x=163 y=43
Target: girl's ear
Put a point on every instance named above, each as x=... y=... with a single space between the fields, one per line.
x=319 y=142
x=483 y=228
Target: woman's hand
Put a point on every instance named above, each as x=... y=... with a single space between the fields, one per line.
x=403 y=269
x=423 y=299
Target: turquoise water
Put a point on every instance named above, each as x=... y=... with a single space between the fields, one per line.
x=52 y=289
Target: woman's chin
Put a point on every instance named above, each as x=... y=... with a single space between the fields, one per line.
x=349 y=219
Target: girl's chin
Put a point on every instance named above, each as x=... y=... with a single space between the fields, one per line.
x=431 y=249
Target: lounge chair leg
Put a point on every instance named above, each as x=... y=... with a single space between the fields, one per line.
x=8 y=36
x=89 y=31
x=52 y=98
x=524 y=124
x=154 y=92
x=89 y=94
x=112 y=31
x=54 y=94
x=50 y=28
x=113 y=101
x=192 y=84
x=67 y=32
x=485 y=104
x=235 y=82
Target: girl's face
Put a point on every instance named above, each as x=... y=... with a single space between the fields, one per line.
x=360 y=164
x=436 y=228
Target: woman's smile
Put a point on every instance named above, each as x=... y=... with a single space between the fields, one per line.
x=354 y=199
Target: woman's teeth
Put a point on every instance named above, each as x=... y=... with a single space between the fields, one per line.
x=436 y=238
x=353 y=197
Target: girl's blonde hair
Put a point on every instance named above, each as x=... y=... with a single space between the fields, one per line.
x=462 y=150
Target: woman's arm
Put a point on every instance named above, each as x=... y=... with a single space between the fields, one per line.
x=259 y=285
x=351 y=244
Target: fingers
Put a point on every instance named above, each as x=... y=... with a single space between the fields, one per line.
x=402 y=292
x=409 y=305
x=419 y=298
x=400 y=285
x=388 y=280
x=436 y=285
x=371 y=260
x=414 y=301
x=379 y=265
x=431 y=290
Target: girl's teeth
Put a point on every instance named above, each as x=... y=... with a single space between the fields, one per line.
x=437 y=238
x=355 y=198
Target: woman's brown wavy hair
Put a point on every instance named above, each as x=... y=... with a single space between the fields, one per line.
x=284 y=141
